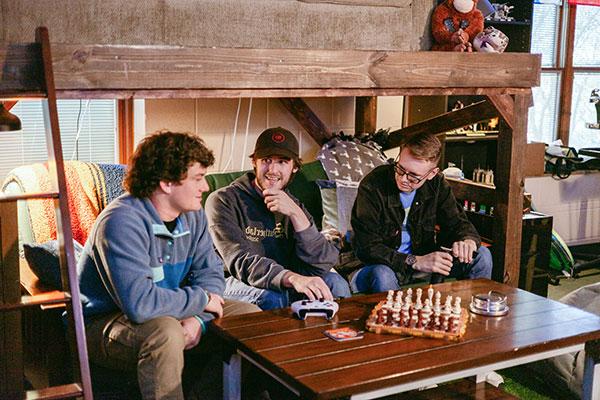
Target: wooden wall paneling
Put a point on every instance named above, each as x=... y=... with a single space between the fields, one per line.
x=365 y=115
x=307 y=119
x=11 y=345
x=509 y=194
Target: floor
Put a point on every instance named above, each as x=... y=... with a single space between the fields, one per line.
x=567 y=285
x=582 y=254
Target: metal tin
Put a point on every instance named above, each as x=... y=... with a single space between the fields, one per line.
x=491 y=304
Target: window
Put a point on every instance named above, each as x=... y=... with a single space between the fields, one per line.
x=96 y=121
x=561 y=76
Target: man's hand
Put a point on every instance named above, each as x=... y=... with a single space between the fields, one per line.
x=278 y=201
x=438 y=262
x=313 y=287
x=192 y=331
x=463 y=250
x=215 y=305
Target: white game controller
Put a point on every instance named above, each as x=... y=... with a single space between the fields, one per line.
x=317 y=308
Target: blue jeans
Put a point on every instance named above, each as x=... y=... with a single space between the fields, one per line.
x=269 y=299
x=381 y=278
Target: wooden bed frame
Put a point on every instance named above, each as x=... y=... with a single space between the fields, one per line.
x=125 y=72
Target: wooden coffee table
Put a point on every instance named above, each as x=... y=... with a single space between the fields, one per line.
x=312 y=366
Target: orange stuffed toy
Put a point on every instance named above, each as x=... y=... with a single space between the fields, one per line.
x=454 y=25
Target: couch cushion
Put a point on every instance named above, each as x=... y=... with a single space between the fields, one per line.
x=44 y=262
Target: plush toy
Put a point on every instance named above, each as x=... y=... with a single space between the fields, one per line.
x=490 y=40
x=455 y=24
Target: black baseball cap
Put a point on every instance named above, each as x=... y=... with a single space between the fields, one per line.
x=276 y=142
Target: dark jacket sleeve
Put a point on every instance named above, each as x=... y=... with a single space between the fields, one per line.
x=371 y=243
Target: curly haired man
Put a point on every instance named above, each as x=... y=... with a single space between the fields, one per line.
x=150 y=279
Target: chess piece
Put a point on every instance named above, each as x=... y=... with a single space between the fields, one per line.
x=390 y=296
x=399 y=296
x=414 y=318
x=448 y=304
x=418 y=304
x=437 y=305
x=430 y=294
x=456 y=309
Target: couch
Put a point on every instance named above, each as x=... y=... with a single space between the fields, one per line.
x=90 y=187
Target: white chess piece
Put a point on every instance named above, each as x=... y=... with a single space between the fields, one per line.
x=437 y=305
x=430 y=294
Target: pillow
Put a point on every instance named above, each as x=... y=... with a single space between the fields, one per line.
x=329 y=198
x=338 y=200
x=43 y=261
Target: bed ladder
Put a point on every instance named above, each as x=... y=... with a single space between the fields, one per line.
x=27 y=73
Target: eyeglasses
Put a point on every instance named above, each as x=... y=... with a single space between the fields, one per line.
x=412 y=179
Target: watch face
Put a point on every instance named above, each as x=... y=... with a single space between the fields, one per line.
x=410 y=260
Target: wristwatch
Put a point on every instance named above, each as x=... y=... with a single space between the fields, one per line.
x=411 y=260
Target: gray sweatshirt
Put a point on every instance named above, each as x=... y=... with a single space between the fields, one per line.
x=259 y=246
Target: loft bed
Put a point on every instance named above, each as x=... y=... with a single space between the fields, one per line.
x=125 y=72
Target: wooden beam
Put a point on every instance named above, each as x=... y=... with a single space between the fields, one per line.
x=505 y=106
x=114 y=68
x=277 y=93
x=365 y=116
x=307 y=119
x=11 y=344
x=509 y=195
x=471 y=114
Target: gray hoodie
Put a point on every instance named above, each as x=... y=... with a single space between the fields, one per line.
x=259 y=246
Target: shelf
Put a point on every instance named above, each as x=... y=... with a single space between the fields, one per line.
x=54 y=297
x=466 y=138
x=55 y=392
x=28 y=196
x=516 y=23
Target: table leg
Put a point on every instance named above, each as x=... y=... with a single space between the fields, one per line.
x=232 y=378
x=591 y=372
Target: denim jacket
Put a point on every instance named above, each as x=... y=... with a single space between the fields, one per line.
x=378 y=214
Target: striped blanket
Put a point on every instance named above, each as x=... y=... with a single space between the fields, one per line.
x=90 y=187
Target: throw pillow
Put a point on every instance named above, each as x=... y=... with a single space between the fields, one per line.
x=338 y=200
x=329 y=198
x=44 y=262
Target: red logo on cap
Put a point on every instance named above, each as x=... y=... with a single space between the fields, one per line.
x=278 y=137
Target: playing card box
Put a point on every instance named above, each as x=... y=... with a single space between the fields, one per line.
x=344 y=334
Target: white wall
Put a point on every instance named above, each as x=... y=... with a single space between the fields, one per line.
x=215 y=121
x=574 y=204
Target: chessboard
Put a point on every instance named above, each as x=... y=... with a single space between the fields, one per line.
x=400 y=314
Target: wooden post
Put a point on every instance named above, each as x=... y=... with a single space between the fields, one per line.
x=365 y=116
x=125 y=108
x=11 y=346
x=509 y=192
